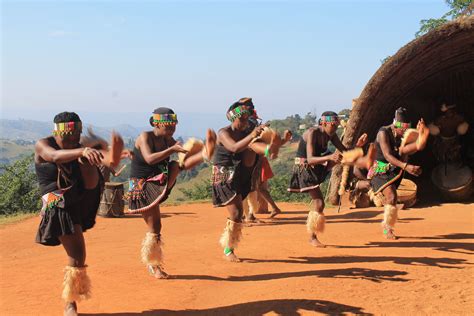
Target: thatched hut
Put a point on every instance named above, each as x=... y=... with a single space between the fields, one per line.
x=434 y=68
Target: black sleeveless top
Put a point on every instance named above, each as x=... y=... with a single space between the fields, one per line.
x=318 y=150
x=142 y=170
x=52 y=176
x=393 y=143
x=223 y=157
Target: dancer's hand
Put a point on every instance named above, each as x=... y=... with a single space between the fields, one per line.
x=178 y=148
x=336 y=157
x=421 y=124
x=92 y=155
x=257 y=131
x=362 y=140
x=413 y=170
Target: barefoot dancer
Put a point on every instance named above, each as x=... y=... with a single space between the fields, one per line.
x=311 y=168
x=71 y=195
x=233 y=164
x=152 y=177
x=391 y=162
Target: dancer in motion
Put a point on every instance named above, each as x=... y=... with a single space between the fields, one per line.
x=312 y=164
x=153 y=176
x=394 y=144
x=71 y=185
x=233 y=164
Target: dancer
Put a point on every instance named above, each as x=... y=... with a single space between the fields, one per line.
x=152 y=177
x=234 y=161
x=70 y=195
x=391 y=160
x=312 y=164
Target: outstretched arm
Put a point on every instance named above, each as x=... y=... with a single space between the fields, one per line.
x=50 y=154
x=144 y=142
x=238 y=146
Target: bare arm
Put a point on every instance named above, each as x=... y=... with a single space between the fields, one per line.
x=233 y=146
x=144 y=145
x=337 y=143
x=314 y=160
x=50 y=154
x=384 y=145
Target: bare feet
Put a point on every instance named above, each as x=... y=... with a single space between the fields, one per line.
x=211 y=139
x=275 y=145
x=316 y=243
x=252 y=219
x=158 y=272
x=389 y=233
x=423 y=134
x=275 y=212
x=70 y=309
x=370 y=157
x=287 y=135
x=116 y=148
x=231 y=257
x=114 y=153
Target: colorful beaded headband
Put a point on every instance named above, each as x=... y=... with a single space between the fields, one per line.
x=401 y=125
x=66 y=128
x=165 y=119
x=238 y=112
x=330 y=119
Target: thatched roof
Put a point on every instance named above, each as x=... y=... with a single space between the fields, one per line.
x=434 y=68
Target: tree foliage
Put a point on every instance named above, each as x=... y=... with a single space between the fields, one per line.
x=294 y=124
x=20 y=191
x=457 y=8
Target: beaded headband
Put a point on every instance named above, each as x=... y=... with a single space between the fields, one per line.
x=238 y=112
x=165 y=119
x=66 y=128
x=401 y=125
x=330 y=119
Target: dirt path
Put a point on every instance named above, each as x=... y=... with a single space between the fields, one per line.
x=428 y=271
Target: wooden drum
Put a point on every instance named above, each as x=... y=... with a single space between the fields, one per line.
x=406 y=193
x=453 y=181
x=111 y=202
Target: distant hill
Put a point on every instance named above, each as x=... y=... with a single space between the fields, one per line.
x=11 y=150
x=30 y=130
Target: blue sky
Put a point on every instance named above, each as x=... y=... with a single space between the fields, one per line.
x=197 y=56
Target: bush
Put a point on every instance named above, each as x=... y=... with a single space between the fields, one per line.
x=200 y=191
x=20 y=191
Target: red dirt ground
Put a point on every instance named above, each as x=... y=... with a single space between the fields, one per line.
x=428 y=271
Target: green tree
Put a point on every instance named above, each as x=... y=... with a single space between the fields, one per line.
x=345 y=112
x=20 y=191
x=457 y=8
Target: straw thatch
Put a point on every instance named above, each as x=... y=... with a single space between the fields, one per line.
x=437 y=67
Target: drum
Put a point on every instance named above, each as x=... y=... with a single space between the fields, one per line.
x=111 y=202
x=453 y=181
x=406 y=193
x=359 y=199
